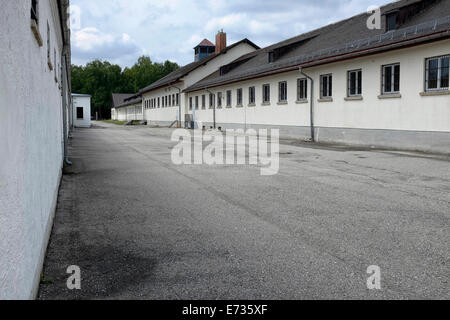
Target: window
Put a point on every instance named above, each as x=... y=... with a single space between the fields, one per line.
x=170 y=101
x=178 y=99
x=282 y=91
x=326 y=86
x=251 y=95
x=34 y=10
x=203 y=102
x=166 y=101
x=229 y=99
x=196 y=102
x=173 y=100
x=354 y=83
x=212 y=100
x=271 y=57
x=190 y=103
x=391 y=79
x=239 y=97
x=219 y=100
x=80 y=113
x=266 y=93
x=437 y=70
x=391 y=22
x=159 y=102
x=302 y=89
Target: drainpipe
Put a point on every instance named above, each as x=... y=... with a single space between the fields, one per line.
x=214 y=108
x=313 y=138
x=179 y=104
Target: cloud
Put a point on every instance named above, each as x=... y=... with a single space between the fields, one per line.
x=90 y=43
x=121 y=30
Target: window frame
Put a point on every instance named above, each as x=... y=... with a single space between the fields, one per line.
x=384 y=68
x=266 y=98
x=219 y=100
x=212 y=100
x=329 y=78
x=229 y=98
x=302 y=91
x=239 y=97
x=358 y=83
x=282 y=92
x=252 y=95
x=439 y=74
x=203 y=102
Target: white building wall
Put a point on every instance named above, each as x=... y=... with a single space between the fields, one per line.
x=411 y=112
x=85 y=103
x=31 y=145
x=168 y=115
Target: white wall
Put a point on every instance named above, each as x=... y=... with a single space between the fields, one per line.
x=170 y=114
x=129 y=113
x=85 y=103
x=31 y=145
x=410 y=112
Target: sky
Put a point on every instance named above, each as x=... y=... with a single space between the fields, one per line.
x=120 y=31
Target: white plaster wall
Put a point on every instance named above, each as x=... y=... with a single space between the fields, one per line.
x=130 y=113
x=31 y=146
x=170 y=114
x=410 y=112
x=85 y=103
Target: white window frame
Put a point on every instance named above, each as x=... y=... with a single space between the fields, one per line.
x=383 y=79
x=439 y=78
x=358 y=78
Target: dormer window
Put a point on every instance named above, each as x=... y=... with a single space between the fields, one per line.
x=271 y=57
x=391 y=21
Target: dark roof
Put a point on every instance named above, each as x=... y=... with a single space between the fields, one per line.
x=342 y=40
x=133 y=99
x=183 y=71
x=205 y=43
x=118 y=98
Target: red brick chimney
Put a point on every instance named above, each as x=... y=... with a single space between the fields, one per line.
x=221 y=41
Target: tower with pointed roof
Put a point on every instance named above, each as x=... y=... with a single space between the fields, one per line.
x=204 y=49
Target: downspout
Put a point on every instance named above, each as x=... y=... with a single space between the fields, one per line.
x=214 y=107
x=313 y=137
x=179 y=104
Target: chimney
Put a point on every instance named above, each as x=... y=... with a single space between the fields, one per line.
x=221 y=41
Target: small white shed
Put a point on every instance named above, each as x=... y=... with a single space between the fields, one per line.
x=81 y=110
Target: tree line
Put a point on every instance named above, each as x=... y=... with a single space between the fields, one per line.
x=101 y=78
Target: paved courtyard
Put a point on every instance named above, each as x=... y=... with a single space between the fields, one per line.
x=140 y=227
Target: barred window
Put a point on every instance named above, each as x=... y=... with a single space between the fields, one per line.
x=391 y=79
x=302 y=89
x=437 y=73
x=326 y=86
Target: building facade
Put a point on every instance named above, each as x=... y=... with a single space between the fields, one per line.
x=165 y=102
x=385 y=88
x=81 y=110
x=35 y=108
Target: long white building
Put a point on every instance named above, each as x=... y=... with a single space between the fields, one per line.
x=35 y=116
x=346 y=83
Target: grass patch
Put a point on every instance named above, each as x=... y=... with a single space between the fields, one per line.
x=117 y=122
